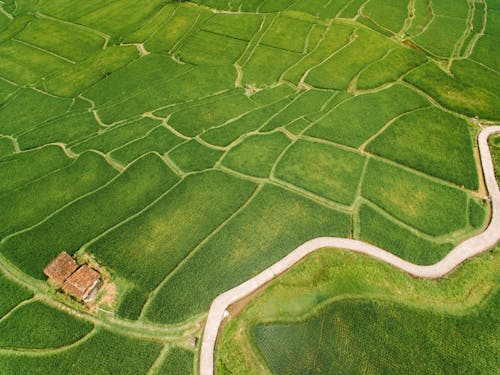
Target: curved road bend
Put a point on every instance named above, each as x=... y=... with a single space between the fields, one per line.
x=467 y=249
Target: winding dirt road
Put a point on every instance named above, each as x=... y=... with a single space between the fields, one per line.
x=467 y=249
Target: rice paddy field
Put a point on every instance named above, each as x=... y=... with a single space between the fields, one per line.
x=183 y=147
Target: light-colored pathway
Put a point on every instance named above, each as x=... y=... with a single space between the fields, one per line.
x=467 y=249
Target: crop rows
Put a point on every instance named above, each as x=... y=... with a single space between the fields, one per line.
x=186 y=149
x=342 y=312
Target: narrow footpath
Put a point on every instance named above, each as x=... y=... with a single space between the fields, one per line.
x=465 y=250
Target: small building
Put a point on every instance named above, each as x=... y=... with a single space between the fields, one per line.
x=83 y=284
x=61 y=268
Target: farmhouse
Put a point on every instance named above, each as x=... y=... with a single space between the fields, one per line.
x=83 y=284
x=61 y=268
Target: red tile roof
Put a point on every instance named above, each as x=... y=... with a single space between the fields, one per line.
x=81 y=283
x=61 y=267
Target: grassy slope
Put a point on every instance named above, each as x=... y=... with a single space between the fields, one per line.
x=373 y=315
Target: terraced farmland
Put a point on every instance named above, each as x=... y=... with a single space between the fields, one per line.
x=186 y=146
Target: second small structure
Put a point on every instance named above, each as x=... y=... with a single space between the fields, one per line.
x=80 y=282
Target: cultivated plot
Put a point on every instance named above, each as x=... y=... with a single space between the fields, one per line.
x=185 y=146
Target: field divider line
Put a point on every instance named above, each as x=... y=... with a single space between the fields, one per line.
x=322 y=38
x=184 y=36
x=19 y=305
x=407 y=24
x=173 y=332
x=457 y=47
x=209 y=145
x=326 y=59
x=309 y=195
x=470 y=47
x=132 y=140
x=237 y=65
x=430 y=12
x=484 y=66
x=162 y=23
x=53 y=96
x=195 y=249
x=463 y=251
x=18 y=85
x=15 y=144
x=472 y=44
x=435 y=179
x=431 y=99
x=388 y=124
x=236 y=118
x=352 y=86
x=171 y=164
x=285 y=131
x=441 y=239
x=389 y=31
x=257 y=39
x=242 y=176
x=343 y=8
x=27 y=229
x=283 y=109
x=159 y=360
x=85 y=246
x=7 y=14
x=302 y=192
x=40 y=352
x=359 y=13
x=27 y=183
x=358 y=201
x=101 y=132
x=41 y=124
x=124 y=327
x=189 y=104
x=306 y=40
x=104 y=36
x=118 y=102
x=43 y=50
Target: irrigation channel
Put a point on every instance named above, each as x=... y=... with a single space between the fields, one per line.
x=465 y=250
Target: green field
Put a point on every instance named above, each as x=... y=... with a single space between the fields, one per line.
x=341 y=312
x=185 y=146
